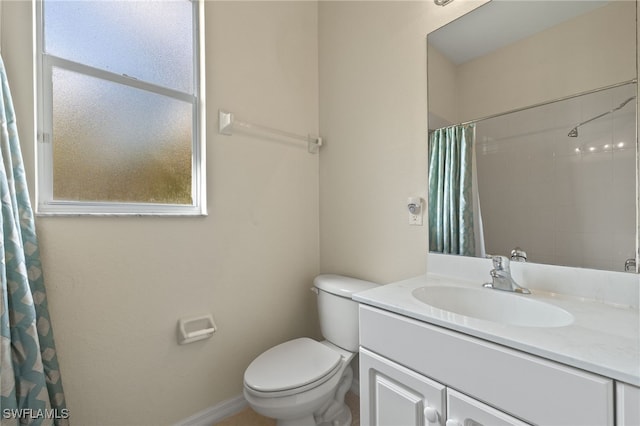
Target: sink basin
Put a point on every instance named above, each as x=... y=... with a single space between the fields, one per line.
x=494 y=305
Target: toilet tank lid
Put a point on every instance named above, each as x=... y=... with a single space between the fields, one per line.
x=341 y=285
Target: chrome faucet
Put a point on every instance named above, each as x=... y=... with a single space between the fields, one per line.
x=501 y=277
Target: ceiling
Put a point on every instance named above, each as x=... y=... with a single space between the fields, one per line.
x=499 y=23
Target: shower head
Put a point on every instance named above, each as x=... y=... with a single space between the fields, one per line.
x=573 y=133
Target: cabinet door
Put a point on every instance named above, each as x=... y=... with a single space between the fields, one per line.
x=392 y=395
x=627 y=405
x=465 y=411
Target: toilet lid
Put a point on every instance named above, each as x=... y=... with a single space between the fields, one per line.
x=291 y=365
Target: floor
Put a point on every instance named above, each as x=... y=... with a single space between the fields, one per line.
x=248 y=417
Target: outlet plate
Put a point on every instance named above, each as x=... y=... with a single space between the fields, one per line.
x=415 y=219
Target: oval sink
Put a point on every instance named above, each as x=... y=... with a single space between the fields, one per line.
x=494 y=305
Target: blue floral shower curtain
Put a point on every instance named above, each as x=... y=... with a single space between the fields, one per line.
x=30 y=383
x=451 y=228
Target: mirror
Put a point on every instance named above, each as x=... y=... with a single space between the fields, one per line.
x=548 y=91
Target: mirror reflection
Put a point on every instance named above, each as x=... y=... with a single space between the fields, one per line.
x=533 y=138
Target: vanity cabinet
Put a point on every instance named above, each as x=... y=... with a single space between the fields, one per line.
x=406 y=365
x=398 y=396
x=627 y=405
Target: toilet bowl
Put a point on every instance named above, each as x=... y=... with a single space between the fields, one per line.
x=297 y=382
x=303 y=382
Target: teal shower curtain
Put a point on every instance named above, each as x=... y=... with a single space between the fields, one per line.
x=30 y=383
x=450 y=190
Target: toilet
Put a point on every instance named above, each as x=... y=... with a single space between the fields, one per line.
x=303 y=382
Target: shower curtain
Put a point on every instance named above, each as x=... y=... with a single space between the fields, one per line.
x=451 y=200
x=30 y=383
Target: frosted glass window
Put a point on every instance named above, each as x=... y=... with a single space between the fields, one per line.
x=149 y=40
x=120 y=111
x=116 y=143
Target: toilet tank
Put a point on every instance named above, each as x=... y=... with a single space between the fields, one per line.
x=337 y=312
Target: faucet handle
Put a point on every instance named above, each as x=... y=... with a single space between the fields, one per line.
x=518 y=255
x=630 y=264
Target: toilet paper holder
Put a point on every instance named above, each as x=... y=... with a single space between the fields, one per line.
x=195 y=328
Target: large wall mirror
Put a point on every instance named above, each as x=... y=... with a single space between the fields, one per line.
x=532 y=145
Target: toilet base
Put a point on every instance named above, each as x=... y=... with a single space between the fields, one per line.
x=343 y=418
x=304 y=421
x=337 y=413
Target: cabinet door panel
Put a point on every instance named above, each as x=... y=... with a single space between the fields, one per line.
x=627 y=405
x=462 y=410
x=392 y=395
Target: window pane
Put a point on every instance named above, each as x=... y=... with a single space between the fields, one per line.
x=116 y=143
x=150 y=40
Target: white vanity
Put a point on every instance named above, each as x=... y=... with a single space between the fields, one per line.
x=423 y=365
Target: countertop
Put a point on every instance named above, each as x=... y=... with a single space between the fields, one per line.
x=603 y=338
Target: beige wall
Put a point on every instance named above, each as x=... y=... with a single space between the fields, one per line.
x=373 y=116
x=117 y=286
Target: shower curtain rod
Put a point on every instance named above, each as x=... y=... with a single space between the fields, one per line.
x=227 y=122
x=564 y=98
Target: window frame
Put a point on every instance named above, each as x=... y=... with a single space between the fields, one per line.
x=45 y=204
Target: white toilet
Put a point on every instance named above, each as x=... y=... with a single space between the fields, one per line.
x=303 y=382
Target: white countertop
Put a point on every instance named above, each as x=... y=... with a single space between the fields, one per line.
x=603 y=338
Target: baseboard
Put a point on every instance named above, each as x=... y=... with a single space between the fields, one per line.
x=228 y=408
x=217 y=413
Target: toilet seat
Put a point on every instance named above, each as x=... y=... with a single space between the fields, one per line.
x=291 y=367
